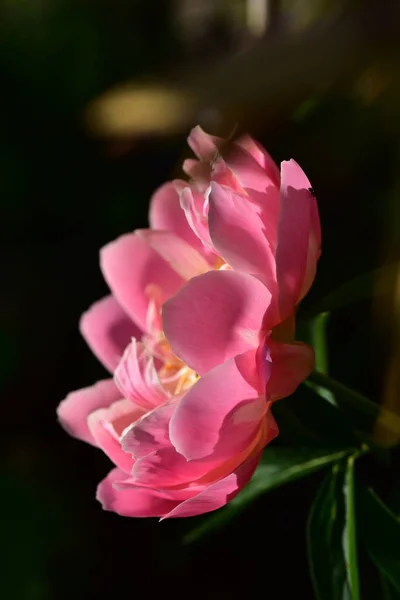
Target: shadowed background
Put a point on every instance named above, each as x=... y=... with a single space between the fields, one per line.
x=80 y=155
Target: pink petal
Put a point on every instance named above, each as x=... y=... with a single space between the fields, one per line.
x=182 y=257
x=131 y=502
x=261 y=156
x=290 y=365
x=238 y=233
x=222 y=411
x=107 y=330
x=166 y=214
x=203 y=145
x=195 y=207
x=314 y=250
x=129 y=266
x=293 y=235
x=214 y=317
x=77 y=406
x=218 y=494
x=137 y=378
x=107 y=425
x=166 y=468
x=247 y=170
x=149 y=433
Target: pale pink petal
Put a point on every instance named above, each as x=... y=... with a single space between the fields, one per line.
x=131 y=502
x=149 y=433
x=107 y=331
x=218 y=494
x=195 y=206
x=166 y=214
x=203 y=145
x=293 y=235
x=183 y=258
x=214 y=317
x=129 y=266
x=137 y=378
x=238 y=233
x=77 y=406
x=223 y=407
x=290 y=365
x=107 y=425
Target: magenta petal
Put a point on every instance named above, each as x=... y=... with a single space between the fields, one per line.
x=218 y=494
x=129 y=266
x=221 y=411
x=183 y=258
x=293 y=235
x=77 y=406
x=166 y=214
x=238 y=233
x=107 y=425
x=290 y=365
x=214 y=317
x=149 y=433
x=131 y=502
x=107 y=331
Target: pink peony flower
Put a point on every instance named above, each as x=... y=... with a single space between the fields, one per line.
x=199 y=332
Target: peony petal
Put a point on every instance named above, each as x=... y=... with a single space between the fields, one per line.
x=204 y=146
x=218 y=494
x=195 y=206
x=238 y=233
x=166 y=214
x=290 y=365
x=149 y=433
x=222 y=409
x=214 y=317
x=107 y=331
x=182 y=257
x=129 y=266
x=107 y=425
x=293 y=235
x=77 y=406
x=262 y=157
x=137 y=378
x=131 y=502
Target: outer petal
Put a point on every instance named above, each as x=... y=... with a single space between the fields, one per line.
x=290 y=365
x=107 y=425
x=137 y=377
x=221 y=408
x=166 y=214
x=214 y=317
x=129 y=265
x=238 y=233
x=182 y=257
x=293 y=235
x=131 y=502
x=218 y=494
x=77 y=406
x=107 y=330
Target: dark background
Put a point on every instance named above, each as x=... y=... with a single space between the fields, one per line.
x=65 y=193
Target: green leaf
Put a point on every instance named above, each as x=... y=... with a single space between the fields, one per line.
x=278 y=466
x=349 y=533
x=324 y=530
x=363 y=406
x=376 y=282
x=306 y=419
x=380 y=534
